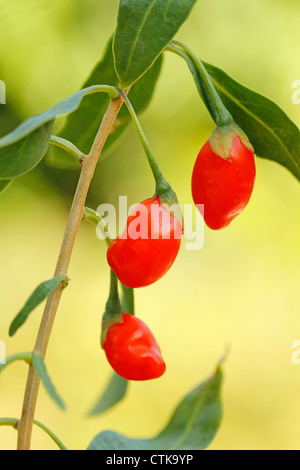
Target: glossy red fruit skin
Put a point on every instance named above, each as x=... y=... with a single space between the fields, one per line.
x=142 y=261
x=132 y=350
x=223 y=186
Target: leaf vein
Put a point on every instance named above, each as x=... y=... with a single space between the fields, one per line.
x=239 y=103
x=139 y=32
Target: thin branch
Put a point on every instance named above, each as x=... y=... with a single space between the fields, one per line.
x=75 y=217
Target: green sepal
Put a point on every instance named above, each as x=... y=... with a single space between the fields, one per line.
x=168 y=199
x=222 y=138
x=113 y=308
x=39 y=294
x=108 y=320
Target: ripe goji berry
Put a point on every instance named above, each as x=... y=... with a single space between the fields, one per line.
x=223 y=186
x=132 y=350
x=148 y=247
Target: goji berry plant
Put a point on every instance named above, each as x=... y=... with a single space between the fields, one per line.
x=248 y=125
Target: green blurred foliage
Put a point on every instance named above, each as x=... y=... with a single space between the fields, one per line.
x=241 y=289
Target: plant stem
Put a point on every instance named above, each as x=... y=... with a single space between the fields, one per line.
x=208 y=92
x=94 y=218
x=68 y=147
x=75 y=217
x=113 y=307
x=90 y=215
x=13 y=422
x=51 y=434
x=128 y=300
x=27 y=357
x=160 y=181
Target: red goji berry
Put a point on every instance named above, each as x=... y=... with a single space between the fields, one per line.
x=140 y=258
x=132 y=350
x=223 y=186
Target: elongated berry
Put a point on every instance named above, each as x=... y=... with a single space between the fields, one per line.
x=148 y=247
x=223 y=186
x=132 y=350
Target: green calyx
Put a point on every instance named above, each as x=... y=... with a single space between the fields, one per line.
x=109 y=319
x=222 y=138
x=168 y=199
x=113 y=309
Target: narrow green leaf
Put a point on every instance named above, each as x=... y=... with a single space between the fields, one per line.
x=39 y=294
x=17 y=157
x=272 y=133
x=14 y=423
x=51 y=434
x=59 y=158
x=4 y=184
x=81 y=126
x=113 y=394
x=192 y=426
x=26 y=357
x=23 y=148
x=69 y=148
x=39 y=365
x=144 y=28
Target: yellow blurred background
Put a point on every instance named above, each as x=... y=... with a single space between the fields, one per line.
x=241 y=290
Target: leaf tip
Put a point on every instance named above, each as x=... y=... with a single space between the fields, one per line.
x=13 y=328
x=11 y=331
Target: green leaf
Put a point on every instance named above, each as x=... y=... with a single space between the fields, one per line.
x=20 y=155
x=114 y=393
x=39 y=294
x=81 y=127
x=140 y=96
x=13 y=422
x=39 y=365
x=26 y=357
x=192 y=426
x=50 y=434
x=272 y=133
x=4 y=185
x=144 y=28
x=23 y=148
